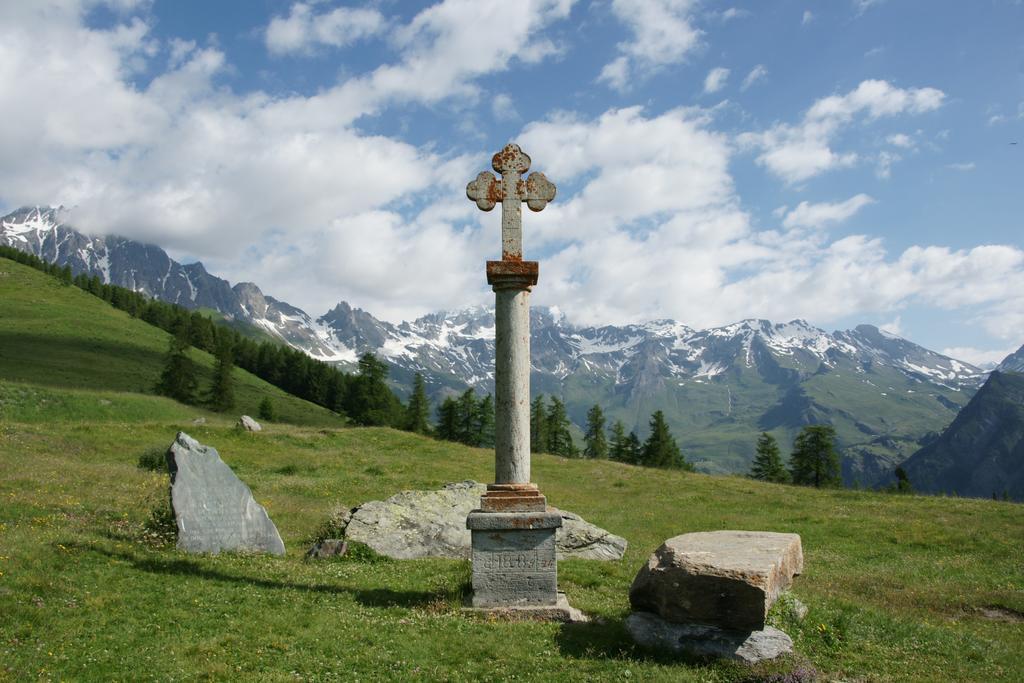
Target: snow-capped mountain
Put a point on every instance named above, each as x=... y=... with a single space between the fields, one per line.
x=115 y=260
x=147 y=268
x=1013 y=363
x=718 y=387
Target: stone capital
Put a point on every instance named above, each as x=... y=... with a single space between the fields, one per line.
x=512 y=274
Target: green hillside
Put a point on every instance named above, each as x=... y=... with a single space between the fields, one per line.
x=899 y=587
x=60 y=336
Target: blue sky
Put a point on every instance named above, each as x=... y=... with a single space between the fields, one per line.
x=844 y=162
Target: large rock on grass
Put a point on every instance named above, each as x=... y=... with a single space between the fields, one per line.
x=214 y=509
x=727 y=579
x=416 y=524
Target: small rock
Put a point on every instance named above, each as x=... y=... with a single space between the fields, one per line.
x=697 y=640
x=329 y=547
x=249 y=424
x=199 y=421
x=727 y=579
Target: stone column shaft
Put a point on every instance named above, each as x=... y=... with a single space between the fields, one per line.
x=512 y=384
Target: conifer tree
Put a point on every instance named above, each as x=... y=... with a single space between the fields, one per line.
x=767 y=464
x=448 y=419
x=266 y=410
x=633 y=449
x=178 y=379
x=418 y=408
x=370 y=401
x=538 y=425
x=814 y=461
x=661 y=449
x=595 y=445
x=903 y=484
x=559 y=437
x=222 y=391
x=466 y=420
x=485 y=422
x=617 y=442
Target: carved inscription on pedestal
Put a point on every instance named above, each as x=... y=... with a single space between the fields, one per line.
x=514 y=566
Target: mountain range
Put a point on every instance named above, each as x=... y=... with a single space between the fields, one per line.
x=718 y=387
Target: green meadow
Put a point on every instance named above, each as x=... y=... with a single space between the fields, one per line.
x=898 y=587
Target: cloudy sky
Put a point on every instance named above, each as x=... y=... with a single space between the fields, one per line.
x=844 y=161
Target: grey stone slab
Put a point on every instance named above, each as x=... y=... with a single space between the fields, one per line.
x=722 y=578
x=415 y=524
x=697 y=640
x=214 y=509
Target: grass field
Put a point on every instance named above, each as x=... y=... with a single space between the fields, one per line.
x=899 y=587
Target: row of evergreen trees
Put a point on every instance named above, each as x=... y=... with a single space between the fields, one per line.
x=813 y=461
x=364 y=397
x=467 y=419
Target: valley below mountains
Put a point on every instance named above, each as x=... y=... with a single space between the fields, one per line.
x=719 y=388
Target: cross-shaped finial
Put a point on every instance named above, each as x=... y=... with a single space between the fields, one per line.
x=511 y=191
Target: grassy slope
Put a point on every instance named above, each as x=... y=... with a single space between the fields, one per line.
x=895 y=584
x=60 y=336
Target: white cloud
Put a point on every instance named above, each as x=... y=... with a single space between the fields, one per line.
x=503 y=108
x=864 y=5
x=758 y=73
x=630 y=245
x=304 y=29
x=886 y=159
x=963 y=166
x=662 y=34
x=807 y=18
x=798 y=152
x=983 y=358
x=894 y=326
x=259 y=187
x=900 y=140
x=734 y=13
x=807 y=215
x=716 y=79
x=996 y=119
x=284 y=191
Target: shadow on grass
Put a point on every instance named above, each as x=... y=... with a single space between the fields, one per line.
x=609 y=639
x=376 y=597
x=30 y=358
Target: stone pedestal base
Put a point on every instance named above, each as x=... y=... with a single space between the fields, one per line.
x=513 y=498
x=513 y=557
x=561 y=611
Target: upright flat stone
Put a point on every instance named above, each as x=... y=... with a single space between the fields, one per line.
x=214 y=509
x=727 y=579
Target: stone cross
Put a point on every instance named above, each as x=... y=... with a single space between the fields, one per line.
x=513 y=532
x=511 y=191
